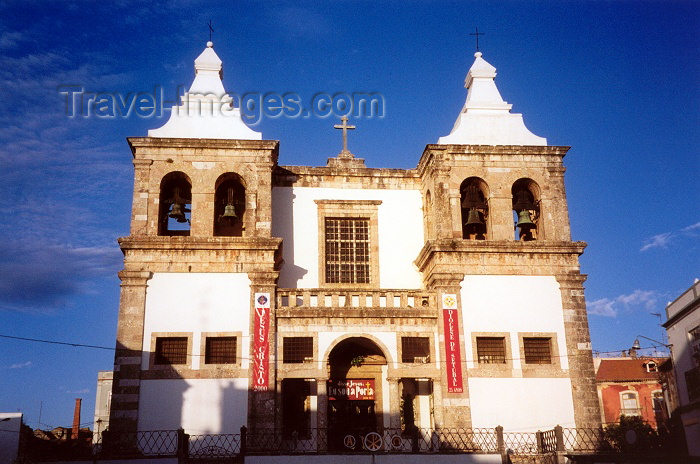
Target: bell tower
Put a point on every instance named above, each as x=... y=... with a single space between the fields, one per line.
x=199 y=250
x=496 y=223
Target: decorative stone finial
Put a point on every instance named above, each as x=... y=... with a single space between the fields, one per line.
x=207 y=111
x=486 y=118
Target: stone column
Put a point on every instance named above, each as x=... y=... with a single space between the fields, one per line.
x=140 y=225
x=123 y=415
x=578 y=349
x=394 y=403
x=322 y=413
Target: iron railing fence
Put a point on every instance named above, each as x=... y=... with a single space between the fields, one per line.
x=214 y=445
x=177 y=443
x=584 y=440
x=386 y=440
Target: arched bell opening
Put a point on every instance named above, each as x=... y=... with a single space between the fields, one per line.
x=175 y=204
x=475 y=208
x=526 y=209
x=229 y=206
x=357 y=366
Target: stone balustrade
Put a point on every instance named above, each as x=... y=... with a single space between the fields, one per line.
x=323 y=298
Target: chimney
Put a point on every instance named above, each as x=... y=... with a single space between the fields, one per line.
x=76 y=420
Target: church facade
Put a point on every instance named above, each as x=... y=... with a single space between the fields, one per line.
x=345 y=297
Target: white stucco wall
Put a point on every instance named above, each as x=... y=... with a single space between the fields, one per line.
x=682 y=350
x=196 y=303
x=10 y=425
x=400 y=216
x=499 y=401
x=512 y=304
x=516 y=304
x=197 y=405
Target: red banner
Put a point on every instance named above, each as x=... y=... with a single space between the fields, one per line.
x=261 y=342
x=351 y=389
x=452 y=351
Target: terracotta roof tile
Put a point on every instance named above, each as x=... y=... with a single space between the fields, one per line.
x=615 y=370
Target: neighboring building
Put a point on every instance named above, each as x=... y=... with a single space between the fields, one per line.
x=10 y=427
x=345 y=297
x=103 y=398
x=630 y=386
x=683 y=328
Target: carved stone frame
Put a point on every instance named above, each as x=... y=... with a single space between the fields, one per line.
x=541 y=370
x=363 y=209
x=491 y=370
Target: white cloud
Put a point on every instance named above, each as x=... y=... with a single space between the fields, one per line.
x=607 y=307
x=602 y=307
x=21 y=365
x=657 y=241
x=663 y=240
x=691 y=228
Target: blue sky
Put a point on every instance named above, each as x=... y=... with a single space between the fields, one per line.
x=617 y=81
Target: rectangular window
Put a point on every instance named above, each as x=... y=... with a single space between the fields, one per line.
x=220 y=350
x=171 y=350
x=297 y=349
x=347 y=244
x=538 y=350
x=415 y=349
x=491 y=350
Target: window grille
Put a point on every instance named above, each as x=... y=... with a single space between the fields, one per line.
x=220 y=350
x=347 y=250
x=171 y=350
x=297 y=349
x=415 y=349
x=491 y=350
x=538 y=350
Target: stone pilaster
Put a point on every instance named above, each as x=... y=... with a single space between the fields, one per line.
x=578 y=349
x=322 y=412
x=394 y=402
x=456 y=411
x=262 y=404
x=139 y=207
x=129 y=350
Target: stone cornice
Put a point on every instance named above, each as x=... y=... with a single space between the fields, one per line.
x=149 y=242
x=165 y=145
x=308 y=176
x=434 y=154
x=496 y=257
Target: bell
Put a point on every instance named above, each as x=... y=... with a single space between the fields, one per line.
x=177 y=212
x=229 y=212
x=474 y=222
x=524 y=220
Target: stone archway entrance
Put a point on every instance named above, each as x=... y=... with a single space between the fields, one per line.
x=354 y=392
